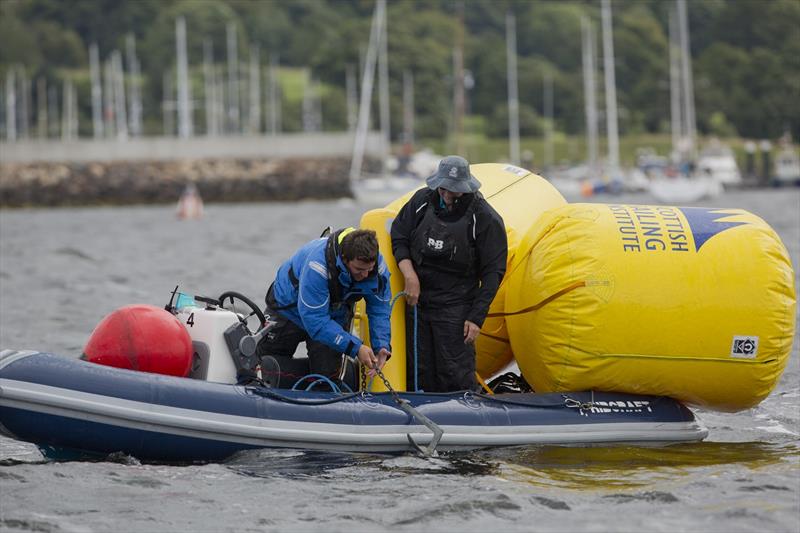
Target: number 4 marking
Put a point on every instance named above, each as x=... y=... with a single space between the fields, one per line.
x=190 y=320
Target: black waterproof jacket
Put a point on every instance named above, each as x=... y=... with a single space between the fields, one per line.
x=442 y=289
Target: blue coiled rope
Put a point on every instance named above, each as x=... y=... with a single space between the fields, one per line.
x=335 y=388
x=320 y=379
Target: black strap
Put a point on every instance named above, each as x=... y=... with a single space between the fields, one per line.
x=270 y=300
x=334 y=287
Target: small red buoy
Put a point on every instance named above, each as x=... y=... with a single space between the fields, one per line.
x=190 y=205
x=141 y=337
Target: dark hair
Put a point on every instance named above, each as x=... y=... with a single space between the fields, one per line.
x=361 y=244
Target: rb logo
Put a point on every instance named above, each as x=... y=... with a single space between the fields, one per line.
x=435 y=244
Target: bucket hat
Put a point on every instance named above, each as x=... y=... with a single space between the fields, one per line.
x=453 y=175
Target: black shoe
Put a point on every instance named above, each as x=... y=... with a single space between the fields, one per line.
x=271 y=371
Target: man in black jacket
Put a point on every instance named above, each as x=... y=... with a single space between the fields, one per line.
x=451 y=247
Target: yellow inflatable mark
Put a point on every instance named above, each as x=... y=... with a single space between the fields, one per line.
x=693 y=303
x=380 y=220
x=520 y=197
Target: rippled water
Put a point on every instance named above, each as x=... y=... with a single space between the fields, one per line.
x=61 y=271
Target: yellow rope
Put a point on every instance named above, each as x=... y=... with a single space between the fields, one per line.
x=483 y=384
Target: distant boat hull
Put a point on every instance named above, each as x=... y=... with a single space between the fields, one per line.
x=680 y=190
x=787 y=167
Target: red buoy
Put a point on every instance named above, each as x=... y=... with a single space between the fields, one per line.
x=141 y=337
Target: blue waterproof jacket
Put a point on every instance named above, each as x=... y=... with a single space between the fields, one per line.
x=308 y=304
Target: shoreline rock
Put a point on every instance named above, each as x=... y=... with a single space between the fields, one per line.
x=157 y=182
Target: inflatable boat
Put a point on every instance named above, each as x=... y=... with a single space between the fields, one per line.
x=69 y=406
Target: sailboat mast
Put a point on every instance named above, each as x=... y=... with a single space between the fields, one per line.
x=233 y=80
x=676 y=122
x=360 y=141
x=458 y=80
x=548 y=114
x=590 y=93
x=408 y=109
x=686 y=67
x=513 y=100
x=11 y=106
x=184 y=109
x=611 y=89
x=134 y=93
x=383 y=89
x=97 y=91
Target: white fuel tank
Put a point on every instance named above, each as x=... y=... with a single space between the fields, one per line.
x=206 y=326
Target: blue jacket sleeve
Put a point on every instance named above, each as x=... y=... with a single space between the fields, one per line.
x=379 y=312
x=313 y=306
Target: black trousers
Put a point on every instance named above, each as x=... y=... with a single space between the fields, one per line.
x=281 y=342
x=444 y=362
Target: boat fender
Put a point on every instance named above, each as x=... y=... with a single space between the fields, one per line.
x=141 y=337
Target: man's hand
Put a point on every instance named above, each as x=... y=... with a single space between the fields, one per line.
x=367 y=357
x=471 y=332
x=411 y=281
x=383 y=356
x=412 y=290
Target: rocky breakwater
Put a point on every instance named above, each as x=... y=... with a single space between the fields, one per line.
x=137 y=182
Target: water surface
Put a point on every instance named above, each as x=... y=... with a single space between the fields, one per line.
x=62 y=270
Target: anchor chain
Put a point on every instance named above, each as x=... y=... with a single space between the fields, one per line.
x=388 y=385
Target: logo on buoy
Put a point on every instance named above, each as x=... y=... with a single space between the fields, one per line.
x=744 y=347
x=705 y=223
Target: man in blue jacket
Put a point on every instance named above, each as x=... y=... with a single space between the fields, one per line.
x=312 y=300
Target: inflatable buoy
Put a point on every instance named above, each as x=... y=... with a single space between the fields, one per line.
x=520 y=202
x=688 y=302
x=141 y=337
x=190 y=204
x=520 y=197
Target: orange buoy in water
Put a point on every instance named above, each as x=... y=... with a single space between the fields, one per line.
x=190 y=205
x=141 y=337
x=587 y=189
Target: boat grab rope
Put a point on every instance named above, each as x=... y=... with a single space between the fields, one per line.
x=270 y=393
x=541 y=304
x=566 y=401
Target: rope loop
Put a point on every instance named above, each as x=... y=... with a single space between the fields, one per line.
x=320 y=379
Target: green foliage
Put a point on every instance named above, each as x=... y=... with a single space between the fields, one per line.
x=719 y=126
x=17 y=44
x=641 y=50
x=746 y=57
